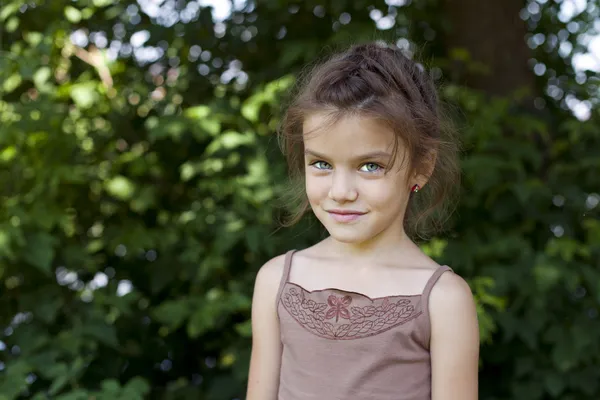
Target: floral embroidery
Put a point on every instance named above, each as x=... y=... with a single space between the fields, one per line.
x=379 y=315
x=338 y=307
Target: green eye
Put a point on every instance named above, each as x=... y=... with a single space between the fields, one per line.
x=370 y=167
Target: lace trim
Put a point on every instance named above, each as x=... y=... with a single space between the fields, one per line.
x=337 y=320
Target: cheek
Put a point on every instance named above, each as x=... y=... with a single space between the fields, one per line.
x=378 y=194
x=384 y=193
x=316 y=188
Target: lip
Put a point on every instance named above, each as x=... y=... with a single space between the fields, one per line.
x=345 y=215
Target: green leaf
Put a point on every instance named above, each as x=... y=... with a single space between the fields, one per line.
x=40 y=251
x=85 y=95
x=48 y=310
x=72 y=14
x=555 y=383
x=9 y=8
x=102 y=332
x=102 y=3
x=12 y=24
x=173 y=312
x=547 y=275
x=244 y=329
x=34 y=38
x=120 y=187
x=197 y=112
x=211 y=126
x=198 y=324
x=58 y=384
x=60 y=372
x=41 y=76
x=77 y=394
x=12 y=82
x=8 y=153
x=137 y=386
x=111 y=386
x=228 y=141
x=13 y=381
x=563 y=356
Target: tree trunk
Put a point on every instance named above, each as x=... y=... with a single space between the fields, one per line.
x=493 y=34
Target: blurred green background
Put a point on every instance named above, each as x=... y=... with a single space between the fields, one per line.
x=140 y=177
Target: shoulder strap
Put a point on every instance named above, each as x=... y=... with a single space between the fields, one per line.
x=425 y=326
x=287 y=265
x=434 y=278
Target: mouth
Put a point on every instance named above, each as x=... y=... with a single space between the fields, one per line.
x=345 y=215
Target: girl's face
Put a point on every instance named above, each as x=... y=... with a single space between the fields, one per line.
x=351 y=185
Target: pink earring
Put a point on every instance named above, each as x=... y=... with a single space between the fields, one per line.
x=416 y=188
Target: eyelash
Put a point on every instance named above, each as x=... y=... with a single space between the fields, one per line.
x=314 y=164
x=379 y=167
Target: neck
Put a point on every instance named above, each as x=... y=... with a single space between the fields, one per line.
x=373 y=248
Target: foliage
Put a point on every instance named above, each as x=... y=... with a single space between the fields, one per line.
x=139 y=198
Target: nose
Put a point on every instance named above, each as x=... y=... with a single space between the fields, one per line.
x=342 y=187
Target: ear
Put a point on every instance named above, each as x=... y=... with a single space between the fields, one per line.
x=425 y=169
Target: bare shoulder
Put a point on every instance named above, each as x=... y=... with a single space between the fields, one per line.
x=452 y=309
x=451 y=290
x=266 y=287
x=272 y=269
x=269 y=276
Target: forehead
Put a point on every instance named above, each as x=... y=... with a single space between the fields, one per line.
x=349 y=134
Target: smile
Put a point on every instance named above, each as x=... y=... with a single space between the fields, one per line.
x=345 y=215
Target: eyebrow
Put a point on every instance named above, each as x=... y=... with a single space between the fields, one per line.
x=366 y=156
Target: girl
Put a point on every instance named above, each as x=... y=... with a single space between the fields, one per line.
x=365 y=314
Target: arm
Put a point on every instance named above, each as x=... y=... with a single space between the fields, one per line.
x=263 y=379
x=454 y=342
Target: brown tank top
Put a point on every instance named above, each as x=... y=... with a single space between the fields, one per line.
x=341 y=345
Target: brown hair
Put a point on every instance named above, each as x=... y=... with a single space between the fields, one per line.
x=378 y=81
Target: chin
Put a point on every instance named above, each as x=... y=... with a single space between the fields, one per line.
x=349 y=234
x=347 y=239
